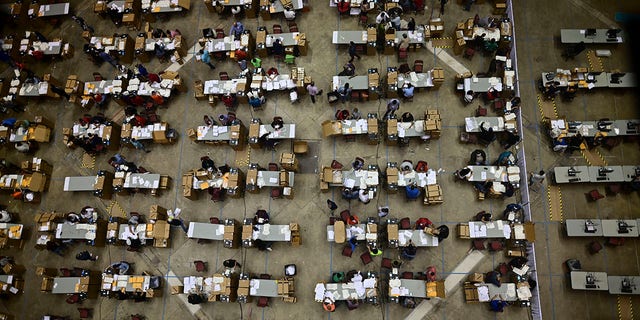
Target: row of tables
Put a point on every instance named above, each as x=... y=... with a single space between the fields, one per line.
x=618 y=228
x=499 y=229
x=596 y=174
x=589 y=80
x=600 y=281
x=594 y=128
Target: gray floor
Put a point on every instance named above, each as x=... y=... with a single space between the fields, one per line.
x=537 y=22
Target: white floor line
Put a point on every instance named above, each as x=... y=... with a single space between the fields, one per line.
x=174 y=67
x=447 y=59
x=173 y=280
x=595 y=13
x=451 y=283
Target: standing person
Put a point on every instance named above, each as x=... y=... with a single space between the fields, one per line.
x=352 y=51
x=139 y=145
x=442 y=3
x=142 y=71
x=204 y=57
x=313 y=91
x=236 y=30
x=231 y=264
x=86 y=255
x=345 y=92
x=392 y=107
x=536 y=179
x=332 y=206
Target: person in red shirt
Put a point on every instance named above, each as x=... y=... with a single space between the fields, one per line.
x=241 y=54
x=229 y=100
x=137 y=100
x=157 y=99
x=153 y=78
x=99 y=99
x=39 y=55
x=343 y=7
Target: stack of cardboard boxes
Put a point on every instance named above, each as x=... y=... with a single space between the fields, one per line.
x=132 y=18
x=436 y=27
x=187 y=186
x=392 y=132
x=371 y=41
x=300 y=78
x=392 y=178
x=243 y=289
x=74 y=88
x=438 y=77
x=374 y=84
x=433 y=194
x=372 y=130
x=198 y=90
x=433 y=123
x=289 y=162
x=392 y=83
x=296 y=240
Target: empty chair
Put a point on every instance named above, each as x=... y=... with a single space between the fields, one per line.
x=407 y=275
x=73 y=299
x=137 y=317
x=97 y=76
x=214 y=220
x=265 y=276
x=217 y=194
x=418 y=65
x=386 y=263
x=344 y=215
x=405 y=223
x=346 y=251
x=594 y=195
x=263 y=302
x=293 y=27
x=469 y=53
x=495 y=245
x=85 y=313
x=65 y=272
x=614 y=188
x=478 y=244
x=290 y=59
x=273 y=167
x=219 y=34
x=595 y=247
x=481 y=111
x=366 y=258
x=224 y=75
x=276 y=192
x=503 y=269
x=336 y=165
x=402 y=55
x=277 y=28
x=616 y=241
x=200 y=266
x=404 y=68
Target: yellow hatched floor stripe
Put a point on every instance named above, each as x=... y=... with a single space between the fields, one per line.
x=88 y=161
x=601 y=156
x=592 y=159
x=114 y=205
x=243 y=157
x=625 y=308
x=556 y=208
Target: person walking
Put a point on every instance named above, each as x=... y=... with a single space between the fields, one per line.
x=139 y=145
x=332 y=206
x=536 y=179
x=352 y=51
x=204 y=57
x=442 y=3
x=86 y=255
x=313 y=91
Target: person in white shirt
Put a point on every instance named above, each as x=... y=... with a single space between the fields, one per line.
x=468 y=97
x=5 y=216
x=382 y=17
x=363 y=195
x=289 y=15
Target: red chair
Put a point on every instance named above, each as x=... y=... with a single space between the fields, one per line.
x=332 y=220
x=418 y=66
x=137 y=317
x=616 y=241
x=276 y=192
x=219 y=34
x=214 y=220
x=224 y=75
x=431 y=273
x=405 y=223
x=595 y=195
x=407 y=275
x=293 y=27
x=478 y=244
x=346 y=251
x=595 y=247
x=85 y=313
x=201 y=266
x=498 y=104
x=386 y=263
x=503 y=269
x=422 y=166
x=265 y=276
x=614 y=188
x=336 y=165
x=366 y=258
x=481 y=111
x=277 y=28
x=263 y=302
x=355 y=96
x=469 y=53
x=344 y=215
x=217 y=194
x=65 y=272
x=364 y=20
x=273 y=167
x=97 y=76
x=73 y=299
x=495 y=246
x=402 y=55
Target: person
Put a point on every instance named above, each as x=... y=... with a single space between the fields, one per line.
x=332 y=206
x=278 y=48
x=404 y=42
x=536 y=180
x=256 y=62
x=484 y=216
x=86 y=255
x=463 y=174
x=352 y=51
x=395 y=22
x=409 y=251
x=406 y=167
x=277 y=123
x=373 y=251
x=442 y=3
x=478 y=158
x=256 y=102
x=329 y=303
x=382 y=17
x=139 y=145
x=504 y=159
x=407 y=91
x=205 y=58
x=467 y=4
x=5 y=216
x=157 y=98
x=236 y=30
x=241 y=54
x=348 y=70
x=343 y=7
x=412 y=192
x=422 y=223
x=486 y=135
x=56 y=247
x=345 y=92
x=356 y=115
x=229 y=100
x=411 y=26
x=357 y=164
x=510 y=140
x=363 y=195
x=383 y=211
x=121 y=267
x=231 y=264
x=207 y=163
x=293 y=95
x=177 y=222
x=392 y=106
x=313 y=91
x=23 y=146
x=263 y=245
x=142 y=71
x=493 y=277
x=208 y=121
x=289 y=15
x=491 y=45
x=468 y=96
x=497 y=304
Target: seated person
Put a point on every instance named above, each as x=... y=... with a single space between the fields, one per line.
x=256 y=102
x=478 y=158
x=422 y=223
x=483 y=216
x=358 y=163
x=293 y=95
x=278 y=48
x=363 y=196
x=343 y=7
x=497 y=304
x=121 y=267
x=342 y=115
x=261 y=217
x=407 y=91
x=492 y=277
x=277 y=123
x=272 y=72
x=486 y=135
x=463 y=174
x=373 y=251
x=72 y=218
x=207 y=163
x=407 y=117
x=409 y=251
x=412 y=192
x=345 y=92
x=356 y=115
x=406 y=166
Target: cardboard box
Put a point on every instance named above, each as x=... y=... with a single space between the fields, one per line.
x=330 y=128
x=234 y=132
x=284 y=178
x=392 y=127
x=247 y=231
x=41 y=133
x=177 y=290
x=229 y=232
x=128 y=18
x=392 y=231
x=476 y=277
x=161 y=230
x=38 y=182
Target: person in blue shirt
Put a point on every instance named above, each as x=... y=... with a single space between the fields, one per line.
x=204 y=56
x=236 y=29
x=9 y=122
x=412 y=192
x=345 y=92
x=497 y=304
x=407 y=91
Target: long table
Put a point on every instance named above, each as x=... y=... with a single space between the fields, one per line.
x=362 y=290
x=355 y=82
x=482 y=84
x=130 y=283
x=220 y=87
x=616 y=284
x=592 y=174
x=418 y=237
x=201 y=230
x=407 y=288
x=257 y=130
x=286 y=39
x=272 y=178
x=50 y=10
x=581 y=35
x=68 y=285
x=602 y=227
x=345 y=37
x=214 y=133
x=80 y=183
x=11 y=230
x=584 y=227
x=352 y=178
x=612 y=228
x=589 y=80
x=78 y=231
x=359 y=231
x=103 y=87
x=472 y=124
x=579 y=281
x=271 y=232
x=495 y=173
x=488 y=230
x=140 y=180
x=418 y=80
x=614 y=128
x=263 y=288
x=163 y=6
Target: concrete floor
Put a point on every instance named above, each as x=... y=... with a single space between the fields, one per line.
x=316 y=259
